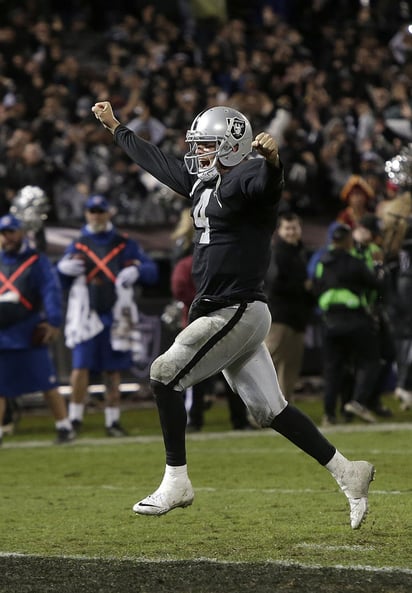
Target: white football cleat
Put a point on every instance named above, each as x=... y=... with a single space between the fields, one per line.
x=354 y=482
x=178 y=493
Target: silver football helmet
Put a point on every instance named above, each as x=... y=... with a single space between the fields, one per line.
x=31 y=205
x=230 y=133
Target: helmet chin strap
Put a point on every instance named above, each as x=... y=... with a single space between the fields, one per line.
x=208 y=175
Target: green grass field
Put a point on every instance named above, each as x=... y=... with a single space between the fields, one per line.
x=262 y=508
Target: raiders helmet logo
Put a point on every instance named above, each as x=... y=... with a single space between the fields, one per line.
x=238 y=128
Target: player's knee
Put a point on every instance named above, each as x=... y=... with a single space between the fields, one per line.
x=262 y=416
x=161 y=370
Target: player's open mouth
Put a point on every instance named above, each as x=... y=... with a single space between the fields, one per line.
x=205 y=162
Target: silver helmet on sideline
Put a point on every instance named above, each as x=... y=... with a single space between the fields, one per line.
x=30 y=205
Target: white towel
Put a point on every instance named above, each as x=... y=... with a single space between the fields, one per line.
x=82 y=323
x=124 y=331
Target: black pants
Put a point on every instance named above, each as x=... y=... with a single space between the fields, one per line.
x=355 y=346
x=197 y=409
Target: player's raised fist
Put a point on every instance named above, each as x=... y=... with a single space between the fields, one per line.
x=104 y=113
x=267 y=146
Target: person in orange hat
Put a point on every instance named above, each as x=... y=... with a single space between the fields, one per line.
x=359 y=196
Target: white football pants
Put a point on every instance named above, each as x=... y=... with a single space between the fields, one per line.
x=230 y=340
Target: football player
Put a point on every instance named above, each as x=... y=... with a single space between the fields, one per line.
x=234 y=200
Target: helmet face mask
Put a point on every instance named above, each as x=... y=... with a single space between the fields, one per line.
x=218 y=135
x=202 y=157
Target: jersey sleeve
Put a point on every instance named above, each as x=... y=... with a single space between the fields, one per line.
x=165 y=168
x=262 y=181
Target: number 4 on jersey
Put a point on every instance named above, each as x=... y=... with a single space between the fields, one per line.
x=200 y=219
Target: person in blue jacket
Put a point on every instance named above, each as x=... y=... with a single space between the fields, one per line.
x=318 y=253
x=31 y=312
x=100 y=268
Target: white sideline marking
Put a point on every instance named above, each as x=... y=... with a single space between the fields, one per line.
x=284 y=563
x=354 y=548
x=292 y=491
x=209 y=436
x=247 y=490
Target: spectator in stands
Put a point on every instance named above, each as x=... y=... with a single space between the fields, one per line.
x=338 y=156
x=401 y=44
x=330 y=66
x=359 y=197
x=145 y=125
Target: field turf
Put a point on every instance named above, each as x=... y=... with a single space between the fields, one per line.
x=266 y=518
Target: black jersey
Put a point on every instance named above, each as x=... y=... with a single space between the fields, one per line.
x=234 y=219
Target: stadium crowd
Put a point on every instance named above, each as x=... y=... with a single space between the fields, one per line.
x=331 y=80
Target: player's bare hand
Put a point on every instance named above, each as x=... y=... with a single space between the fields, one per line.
x=104 y=113
x=267 y=146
